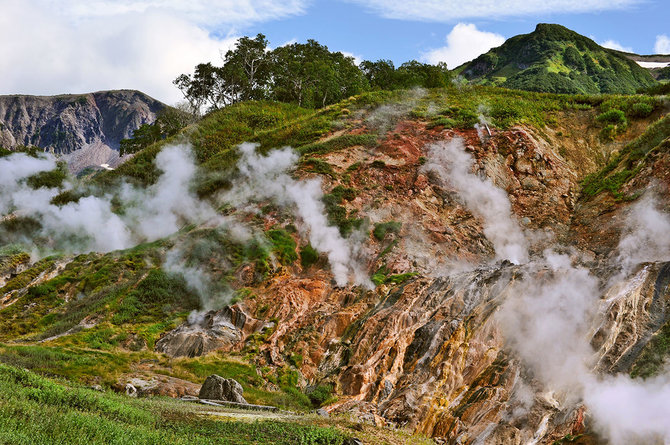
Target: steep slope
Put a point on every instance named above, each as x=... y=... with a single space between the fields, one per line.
x=87 y=127
x=469 y=329
x=555 y=59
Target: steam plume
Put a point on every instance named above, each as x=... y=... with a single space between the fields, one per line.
x=453 y=165
x=266 y=177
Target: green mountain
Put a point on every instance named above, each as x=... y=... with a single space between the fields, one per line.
x=555 y=59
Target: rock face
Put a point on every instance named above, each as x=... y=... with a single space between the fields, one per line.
x=86 y=127
x=215 y=330
x=218 y=388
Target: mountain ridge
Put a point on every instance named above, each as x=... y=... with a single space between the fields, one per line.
x=85 y=128
x=556 y=59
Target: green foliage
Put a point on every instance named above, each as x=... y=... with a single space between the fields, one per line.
x=308 y=256
x=381 y=229
x=612 y=116
x=641 y=110
x=319 y=166
x=627 y=163
x=555 y=59
x=381 y=276
x=653 y=357
x=321 y=395
x=283 y=246
x=49 y=179
x=337 y=214
x=383 y=75
x=158 y=291
x=306 y=74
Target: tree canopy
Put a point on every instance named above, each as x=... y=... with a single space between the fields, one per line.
x=306 y=74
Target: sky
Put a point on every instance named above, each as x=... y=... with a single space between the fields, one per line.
x=76 y=46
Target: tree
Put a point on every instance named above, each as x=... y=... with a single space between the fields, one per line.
x=381 y=74
x=309 y=75
x=246 y=69
x=169 y=122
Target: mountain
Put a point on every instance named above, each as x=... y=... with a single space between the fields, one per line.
x=87 y=128
x=417 y=263
x=555 y=59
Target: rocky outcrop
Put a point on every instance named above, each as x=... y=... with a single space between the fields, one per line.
x=218 y=388
x=89 y=125
x=214 y=330
x=139 y=385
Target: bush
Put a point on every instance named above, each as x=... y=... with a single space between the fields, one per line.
x=320 y=395
x=613 y=116
x=382 y=229
x=640 y=110
x=308 y=256
x=283 y=246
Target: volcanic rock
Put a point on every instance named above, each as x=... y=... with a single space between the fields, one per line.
x=218 y=388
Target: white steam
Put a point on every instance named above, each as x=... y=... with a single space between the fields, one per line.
x=453 y=165
x=552 y=309
x=646 y=235
x=266 y=177
x=548 y=318
x=89 y=224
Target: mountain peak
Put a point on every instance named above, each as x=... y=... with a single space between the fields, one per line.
x=556 y=59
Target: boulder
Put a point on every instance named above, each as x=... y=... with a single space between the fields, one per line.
x=218 y=388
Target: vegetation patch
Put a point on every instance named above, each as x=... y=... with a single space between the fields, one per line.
x=381 y=229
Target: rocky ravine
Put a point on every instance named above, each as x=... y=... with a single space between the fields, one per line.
x=86 y=128
x=435 y=354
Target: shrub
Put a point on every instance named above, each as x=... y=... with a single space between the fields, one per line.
x=640 y=110
x=380 y=230
x=613 y=116
x=308 y=256
x=283 y=246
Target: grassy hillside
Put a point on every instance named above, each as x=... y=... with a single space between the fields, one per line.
x=555 y=59
x=36 y=410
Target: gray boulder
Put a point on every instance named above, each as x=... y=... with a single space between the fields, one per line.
x=218 y=388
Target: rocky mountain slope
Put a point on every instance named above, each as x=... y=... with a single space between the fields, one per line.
x=555 y=59
x=85 y=127
x=473 y=265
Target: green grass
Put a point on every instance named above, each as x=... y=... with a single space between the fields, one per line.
x=653 y=358
x=628 y=162
x=35 y=410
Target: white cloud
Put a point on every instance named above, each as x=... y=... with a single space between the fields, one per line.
x=451 y=10
x=464 y=43
x=357 y=59
x=203 y=12
x=662 y=45
x=613 y=44
x=77 y=46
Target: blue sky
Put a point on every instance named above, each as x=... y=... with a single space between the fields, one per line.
x=351 y=27
x=76 y=46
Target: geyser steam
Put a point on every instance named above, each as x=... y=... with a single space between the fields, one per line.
x=453 y=165
x=266 y=177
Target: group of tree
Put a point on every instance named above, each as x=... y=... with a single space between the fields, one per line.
x=307 y=74
x=168 y=123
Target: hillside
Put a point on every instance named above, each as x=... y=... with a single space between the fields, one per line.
x=86 y=127
x=473 y=264
x=555 y=59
